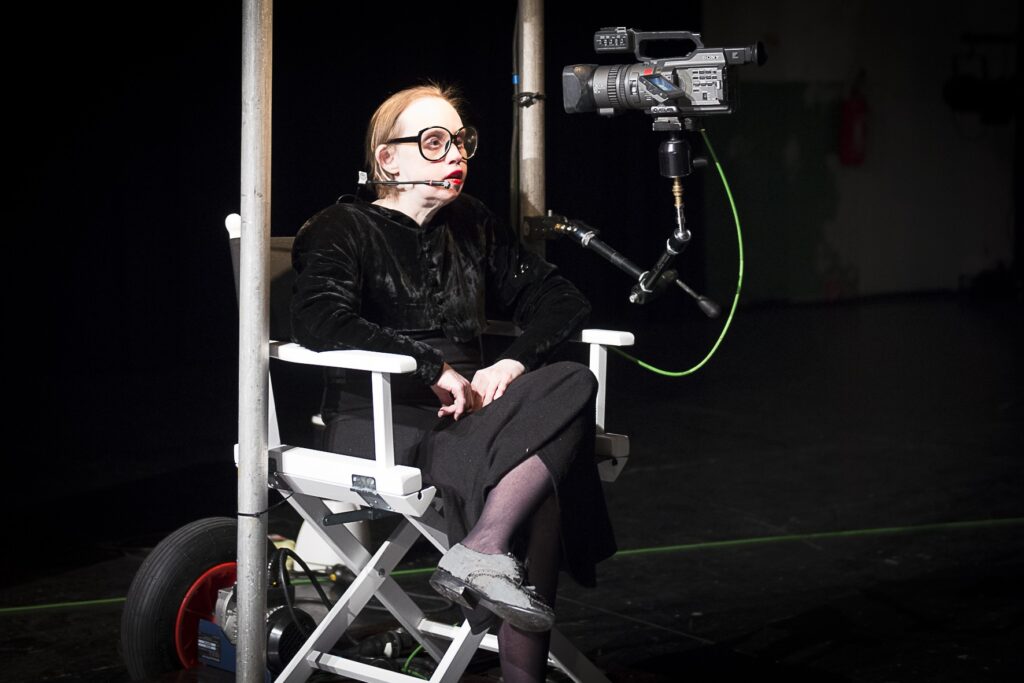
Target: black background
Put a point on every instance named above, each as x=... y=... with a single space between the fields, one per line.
x=125 y=132
x=126 y=140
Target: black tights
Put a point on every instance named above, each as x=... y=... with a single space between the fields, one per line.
x=525 y=493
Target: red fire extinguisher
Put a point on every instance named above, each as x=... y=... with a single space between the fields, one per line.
x=853 y=112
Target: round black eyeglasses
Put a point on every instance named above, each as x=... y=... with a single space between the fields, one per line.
x=435 y=141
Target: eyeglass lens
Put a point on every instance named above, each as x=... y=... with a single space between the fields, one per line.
x=435 y=142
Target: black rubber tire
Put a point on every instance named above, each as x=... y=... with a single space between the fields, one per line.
x=158 y=589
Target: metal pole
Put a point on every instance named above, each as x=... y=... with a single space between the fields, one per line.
x=531 y=148
x=253 y=340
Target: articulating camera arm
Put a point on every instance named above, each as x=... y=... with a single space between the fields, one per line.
x=582 y=234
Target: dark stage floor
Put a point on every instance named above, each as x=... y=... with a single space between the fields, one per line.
x=837 y=496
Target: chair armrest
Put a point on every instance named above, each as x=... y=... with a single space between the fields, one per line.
x=380 y=365
x=371 y=361
x=598 y=340
x=505 y=328
x=606 y=337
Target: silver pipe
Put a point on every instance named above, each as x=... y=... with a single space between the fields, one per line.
x=253 y=340
x=531 y=148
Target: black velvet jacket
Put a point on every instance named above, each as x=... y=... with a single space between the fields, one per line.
x=371 y=278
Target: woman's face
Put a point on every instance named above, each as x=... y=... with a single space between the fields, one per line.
x=406 y=162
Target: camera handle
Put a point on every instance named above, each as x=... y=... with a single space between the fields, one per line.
x=675 y=161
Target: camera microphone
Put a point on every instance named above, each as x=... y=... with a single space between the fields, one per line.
x=364 y=180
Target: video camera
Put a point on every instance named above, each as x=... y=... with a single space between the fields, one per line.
x=695 y=84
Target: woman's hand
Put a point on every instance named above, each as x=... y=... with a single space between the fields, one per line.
x=490 y=383
x=456 y=393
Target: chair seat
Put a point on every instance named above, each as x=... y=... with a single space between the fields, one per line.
x=349 y=479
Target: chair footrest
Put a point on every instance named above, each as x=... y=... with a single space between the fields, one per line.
x=349 y=668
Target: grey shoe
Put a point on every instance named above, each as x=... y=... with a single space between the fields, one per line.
x=469 y=578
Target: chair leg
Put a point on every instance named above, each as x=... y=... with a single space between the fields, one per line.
x=456 y=659
x=356 y=558
x=430 y=526
x=373 y=578
x=367 y=583
x=311 y=547
x=338 y=538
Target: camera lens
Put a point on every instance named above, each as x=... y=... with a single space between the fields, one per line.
x=577 y=92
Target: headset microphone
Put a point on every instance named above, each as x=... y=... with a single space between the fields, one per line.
x=364 y=180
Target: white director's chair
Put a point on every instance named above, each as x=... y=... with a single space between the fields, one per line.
x=313 y=479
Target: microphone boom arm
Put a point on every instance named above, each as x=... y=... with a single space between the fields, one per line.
x=365 y=180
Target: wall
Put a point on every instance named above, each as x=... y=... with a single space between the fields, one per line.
x=930 y=206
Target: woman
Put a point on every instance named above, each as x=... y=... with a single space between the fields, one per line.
x=509 y=450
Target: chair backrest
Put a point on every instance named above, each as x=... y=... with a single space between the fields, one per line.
x=282 y=277
x=301 y=383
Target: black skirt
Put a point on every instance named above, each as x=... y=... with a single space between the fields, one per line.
x=549 y=411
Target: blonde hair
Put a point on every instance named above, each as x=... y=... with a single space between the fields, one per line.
x=385 y=120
